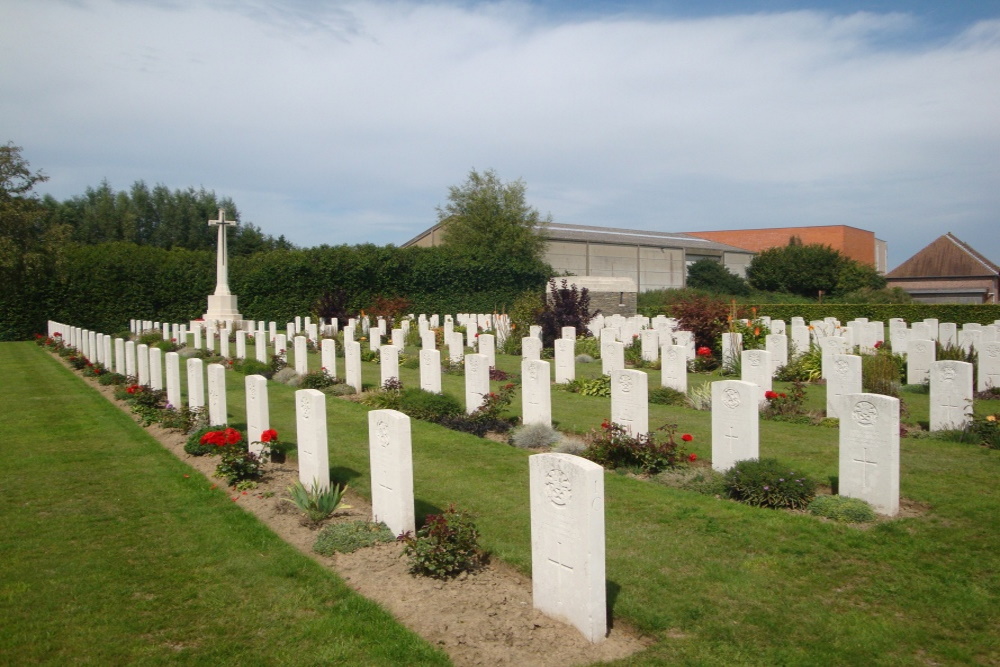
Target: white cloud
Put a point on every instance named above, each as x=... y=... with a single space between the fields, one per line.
x=348 y=123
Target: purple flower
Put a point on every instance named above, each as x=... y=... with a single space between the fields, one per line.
x=767 y=488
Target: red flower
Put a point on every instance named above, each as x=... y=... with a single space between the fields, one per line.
x=269 y=435
x=692 y=457
x=878 y=344
x=769 y=395
x=687 y=437
x=605 y=424
x=783 y=395
x=704 y=351
x=232 y=436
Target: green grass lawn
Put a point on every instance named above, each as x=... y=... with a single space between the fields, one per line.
x=712 y=581
x=114 y=552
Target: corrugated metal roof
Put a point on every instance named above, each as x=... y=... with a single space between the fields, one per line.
x=945 y=256
x=564 y=232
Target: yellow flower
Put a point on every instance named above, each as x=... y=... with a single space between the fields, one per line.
x=991 y=418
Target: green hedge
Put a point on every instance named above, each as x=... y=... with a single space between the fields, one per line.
x=876 y=312
x=102 y=286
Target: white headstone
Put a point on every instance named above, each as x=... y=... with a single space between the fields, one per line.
x=777 y=345
x=800 y=339
x=301 y=355
x=456 y=348
x=477 y=381
x=391 y=456
x=310 y=427
x=258 y=412
x=430 y=370
x=844 y=378
x=388 y=356
x=120 y=357
x=756 y=366
x=832 y=345
x=948 y=334
x=328 y=356
x=173 y=362
x=195 y=383
x=241 y=344
x=612 y=356
x=398 y=338
x=155 y=368
x=565 y=358
x=567 y=541
x=536 y=393
x=260 y=346
x=281 y=347
x=352 y=364
x=951 y=395
x=630 y=401
x=989 y=366
x=224 y=343
x=531 y=349
x=487 y=346
x=735 y=423
x=217 y=409
x=568 y=332
x=869 y=450
x=673 y=367
x=920 y=354
x=142 y=363
x=650 y=342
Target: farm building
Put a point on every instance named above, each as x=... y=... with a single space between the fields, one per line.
x=948 y=271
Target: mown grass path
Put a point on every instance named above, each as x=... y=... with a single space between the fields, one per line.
x=114 y=552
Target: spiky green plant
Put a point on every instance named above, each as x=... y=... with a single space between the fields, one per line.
x=316 y=502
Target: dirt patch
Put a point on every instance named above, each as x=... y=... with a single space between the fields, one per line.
x=485 y=618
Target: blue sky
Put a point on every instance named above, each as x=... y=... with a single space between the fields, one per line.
x=347 y=122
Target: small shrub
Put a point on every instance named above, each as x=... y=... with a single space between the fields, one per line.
x=985 y=431
x=882 y=373
x=584 y=359
x=183 y=418
x=239 y=465
x=806 y=367
x=700 y=480
x=287 y=375
x=613 y=446
x=842 y=508
x=340 y=390
x=150 y=338
x=320 y=379
x=382 y=399
x=570 y=445
x=350 y=536
x=781 y=406
x=446 y=545
x=420 y=404
x=704 y=361
x=534 y=436
x=317 y=503
x=667 y=396
x=108 y=379
x=769 y=483
x=588 y=346
x=599 y=386
x=253 y=367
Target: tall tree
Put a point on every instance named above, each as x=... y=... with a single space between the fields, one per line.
x=486 y=218
x=30 y=247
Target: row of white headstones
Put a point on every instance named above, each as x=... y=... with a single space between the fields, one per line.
x=566 y=491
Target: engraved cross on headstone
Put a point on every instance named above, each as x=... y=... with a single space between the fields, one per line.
x=731 y=438
x=865 y=462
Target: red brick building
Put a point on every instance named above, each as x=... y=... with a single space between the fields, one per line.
x=858 y=244
x=948 y=271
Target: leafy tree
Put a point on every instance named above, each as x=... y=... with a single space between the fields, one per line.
x=711 y=275
x=30 y=248
x=807 y=269
x=704 y=315
x=487 y=218
x=565 y=306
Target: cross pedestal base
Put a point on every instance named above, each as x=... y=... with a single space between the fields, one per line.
x=222 y=308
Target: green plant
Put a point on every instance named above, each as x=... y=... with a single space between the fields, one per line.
x=253 y=367
x=386 y=397
x=599 y=386
x=428 y=406
x=613 y=446
x=349 y=536
x=317 y=503
x=587 y=345
x=150 y=337
x=842 y=508
x=807 y=366
x=667 y=396
x=769 y=483
x=320 y=379
x=146 y=403
x=782 y=406
x=534 y=436
x=985 y=431
x=705 y=316
x=239 y=465
x=699 y=397
x=882 y=372
x=183 y=418
x=446 y=545
x=564 y=306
